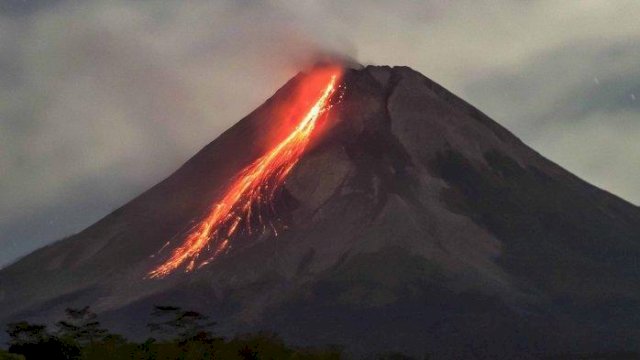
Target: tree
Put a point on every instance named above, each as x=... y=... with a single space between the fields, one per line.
x=22 y=333
x=181 y=324
x=34 y=342
x=81 y=326
x=9 y=356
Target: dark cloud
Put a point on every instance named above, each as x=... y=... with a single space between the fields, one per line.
x=100 y=100
x=567 y=82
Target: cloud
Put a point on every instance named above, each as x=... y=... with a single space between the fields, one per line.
x=100 y=100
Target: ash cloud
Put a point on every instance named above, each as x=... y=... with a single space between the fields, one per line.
x=100 y=100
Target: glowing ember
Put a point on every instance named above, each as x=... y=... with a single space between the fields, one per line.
x=256 y=184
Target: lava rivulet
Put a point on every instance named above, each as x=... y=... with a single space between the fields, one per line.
x=256 y=184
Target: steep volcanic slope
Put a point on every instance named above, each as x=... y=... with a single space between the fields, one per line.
x=412 y=222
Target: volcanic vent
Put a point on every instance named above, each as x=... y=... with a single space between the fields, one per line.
x=407 y=220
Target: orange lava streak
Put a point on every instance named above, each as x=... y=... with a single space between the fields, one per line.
x=253 y=184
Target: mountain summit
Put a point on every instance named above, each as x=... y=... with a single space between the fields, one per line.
x=408 y=221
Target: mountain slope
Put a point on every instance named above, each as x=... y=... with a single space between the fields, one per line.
x=413 y=222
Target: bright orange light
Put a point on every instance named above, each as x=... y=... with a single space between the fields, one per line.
x=257 y=183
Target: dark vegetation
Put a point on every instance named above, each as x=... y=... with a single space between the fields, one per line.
x=176 y=334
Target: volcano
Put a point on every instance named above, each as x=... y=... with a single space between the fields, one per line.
x=405 y=219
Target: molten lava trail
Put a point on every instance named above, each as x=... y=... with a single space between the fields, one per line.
x=255 y=184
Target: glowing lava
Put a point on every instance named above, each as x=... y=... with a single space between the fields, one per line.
x=255 y=184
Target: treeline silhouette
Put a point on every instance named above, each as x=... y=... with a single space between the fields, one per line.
x=176 y=334
x=179 y=334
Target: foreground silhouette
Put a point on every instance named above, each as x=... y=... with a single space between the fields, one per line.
x=177 y=334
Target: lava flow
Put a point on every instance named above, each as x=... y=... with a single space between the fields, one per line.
x=256 y=184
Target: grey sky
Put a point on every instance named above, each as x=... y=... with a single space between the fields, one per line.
x=100 y=100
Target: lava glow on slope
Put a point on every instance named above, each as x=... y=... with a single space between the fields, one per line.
x=256 y=184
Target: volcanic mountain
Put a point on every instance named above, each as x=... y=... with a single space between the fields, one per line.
x=407 y=220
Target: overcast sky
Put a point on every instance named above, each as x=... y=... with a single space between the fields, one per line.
x=99 y=100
